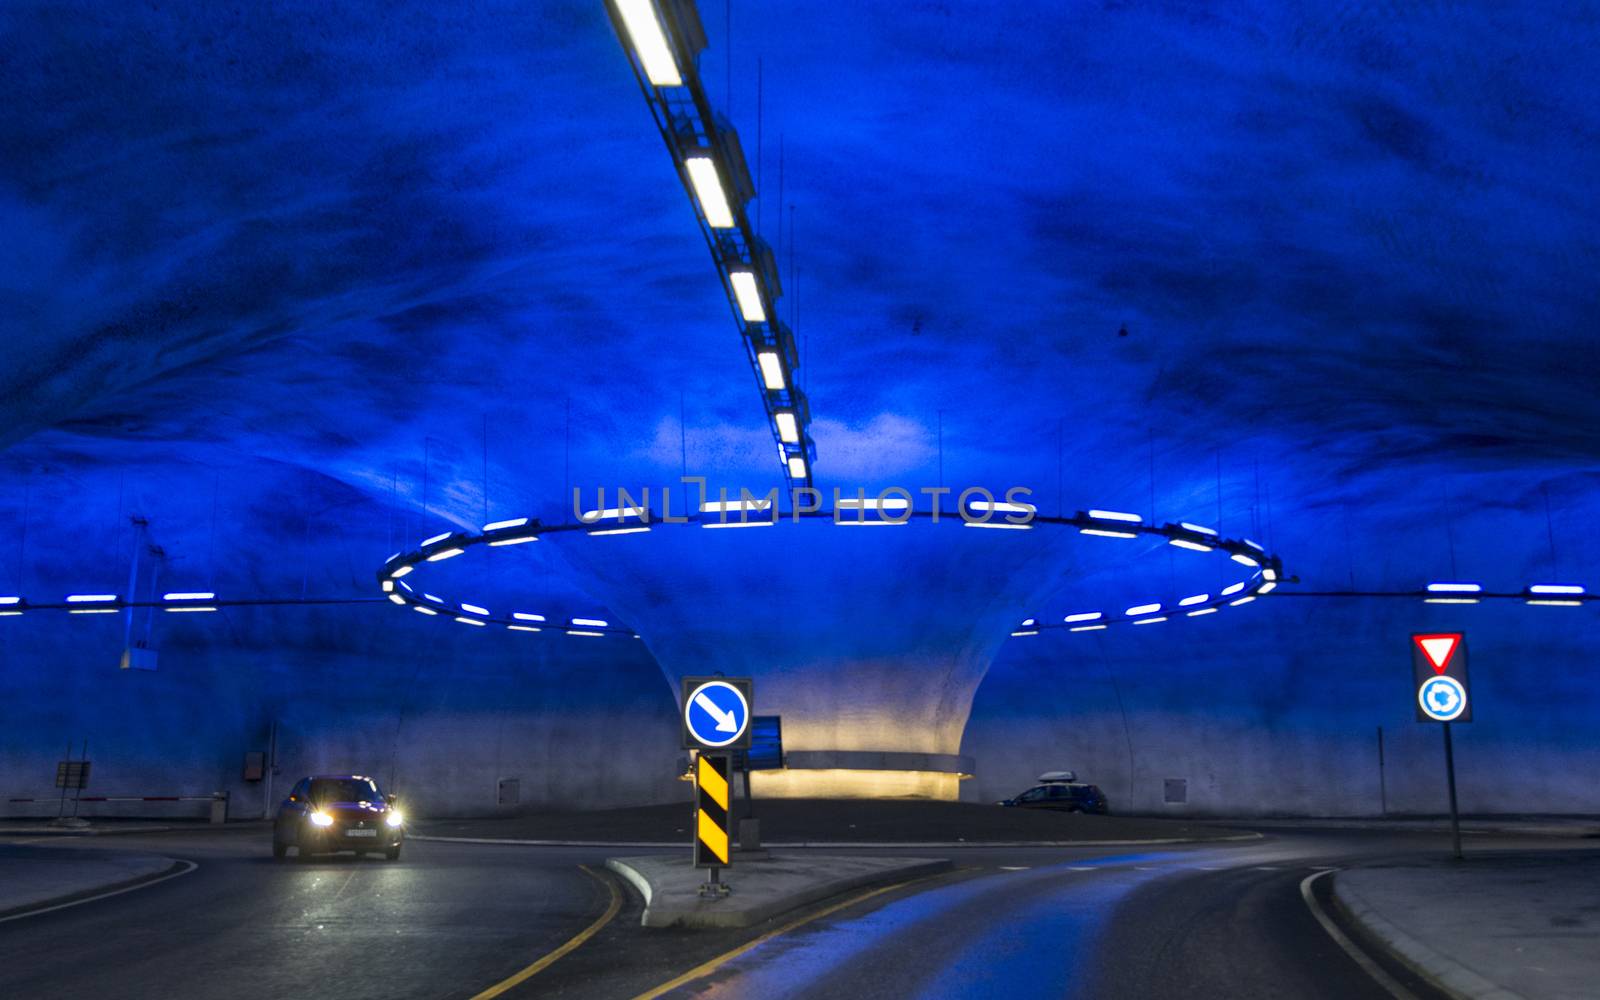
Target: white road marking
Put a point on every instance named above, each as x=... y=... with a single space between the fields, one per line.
x=103 y=895
x=1368 y=966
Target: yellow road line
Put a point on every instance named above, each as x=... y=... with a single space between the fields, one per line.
x=708 y=967
x=576 y=940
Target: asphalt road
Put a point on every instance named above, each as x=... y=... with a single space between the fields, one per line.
x=450 y=920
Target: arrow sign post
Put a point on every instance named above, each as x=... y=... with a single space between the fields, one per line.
x=716 y=720
x=716 y=713
x=1442 y=693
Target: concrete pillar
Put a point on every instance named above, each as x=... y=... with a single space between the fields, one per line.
x=869 y=641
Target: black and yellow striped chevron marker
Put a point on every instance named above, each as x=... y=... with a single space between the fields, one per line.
x=711 y=825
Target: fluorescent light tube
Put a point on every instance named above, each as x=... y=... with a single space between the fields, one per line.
x=771 y=370
x=788 y=427
x=723 y=506
x=708 y=189
x=748 y=294
x=650 y=42
x=515 y=522
x=1114 y=515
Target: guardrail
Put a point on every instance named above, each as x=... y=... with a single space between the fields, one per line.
x=218 y=809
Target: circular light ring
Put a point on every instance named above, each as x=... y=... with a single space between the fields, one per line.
x=1267 y=572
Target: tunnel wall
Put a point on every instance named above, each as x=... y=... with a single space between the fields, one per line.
x=440 y=713
x=1291 y=693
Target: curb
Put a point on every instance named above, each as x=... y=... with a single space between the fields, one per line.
x=700 y=919
x=98 y=892
x=854 y=845
x=1437 y=968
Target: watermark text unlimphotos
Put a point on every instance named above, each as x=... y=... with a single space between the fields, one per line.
x=894 y=505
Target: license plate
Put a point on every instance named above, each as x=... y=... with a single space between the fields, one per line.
x=361 y=833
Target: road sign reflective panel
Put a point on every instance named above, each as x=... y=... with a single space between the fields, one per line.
x=716 y=713
x=1439 y=676
x=1442 y=699
x=711 y=846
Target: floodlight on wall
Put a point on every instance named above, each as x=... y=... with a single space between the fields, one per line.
x=189 y=601
x=1453 y=593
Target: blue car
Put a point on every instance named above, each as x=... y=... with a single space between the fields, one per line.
x=326 y=814
x=1060 y=791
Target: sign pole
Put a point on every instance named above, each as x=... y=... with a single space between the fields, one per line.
x=1383 y=783
x=1450 y=774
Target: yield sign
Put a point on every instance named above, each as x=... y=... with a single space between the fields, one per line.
x=1438 y=648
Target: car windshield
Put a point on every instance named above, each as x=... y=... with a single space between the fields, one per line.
x=344 y=790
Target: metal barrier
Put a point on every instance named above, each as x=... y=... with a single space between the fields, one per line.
x=218 y=800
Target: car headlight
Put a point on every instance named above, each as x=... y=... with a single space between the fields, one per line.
x=394 y=818
x=321 y=819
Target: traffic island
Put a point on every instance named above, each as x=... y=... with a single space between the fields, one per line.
x=759 y=888
x=1495 y=925
x=37 y=878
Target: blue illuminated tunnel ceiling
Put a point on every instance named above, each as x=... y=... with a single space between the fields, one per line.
x=1327 y=270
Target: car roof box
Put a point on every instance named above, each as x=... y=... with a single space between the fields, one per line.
x=1050 y=776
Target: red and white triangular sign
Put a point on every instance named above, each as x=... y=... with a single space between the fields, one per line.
x=1439 y=648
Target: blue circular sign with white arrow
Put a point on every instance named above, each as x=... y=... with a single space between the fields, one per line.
x=1442 y=698
x=716 y=714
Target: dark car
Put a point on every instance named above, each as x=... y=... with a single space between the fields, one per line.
x=339 y=812
x=1063 y=796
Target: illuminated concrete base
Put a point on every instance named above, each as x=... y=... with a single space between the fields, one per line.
x=843 y=783
x=868 y=642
